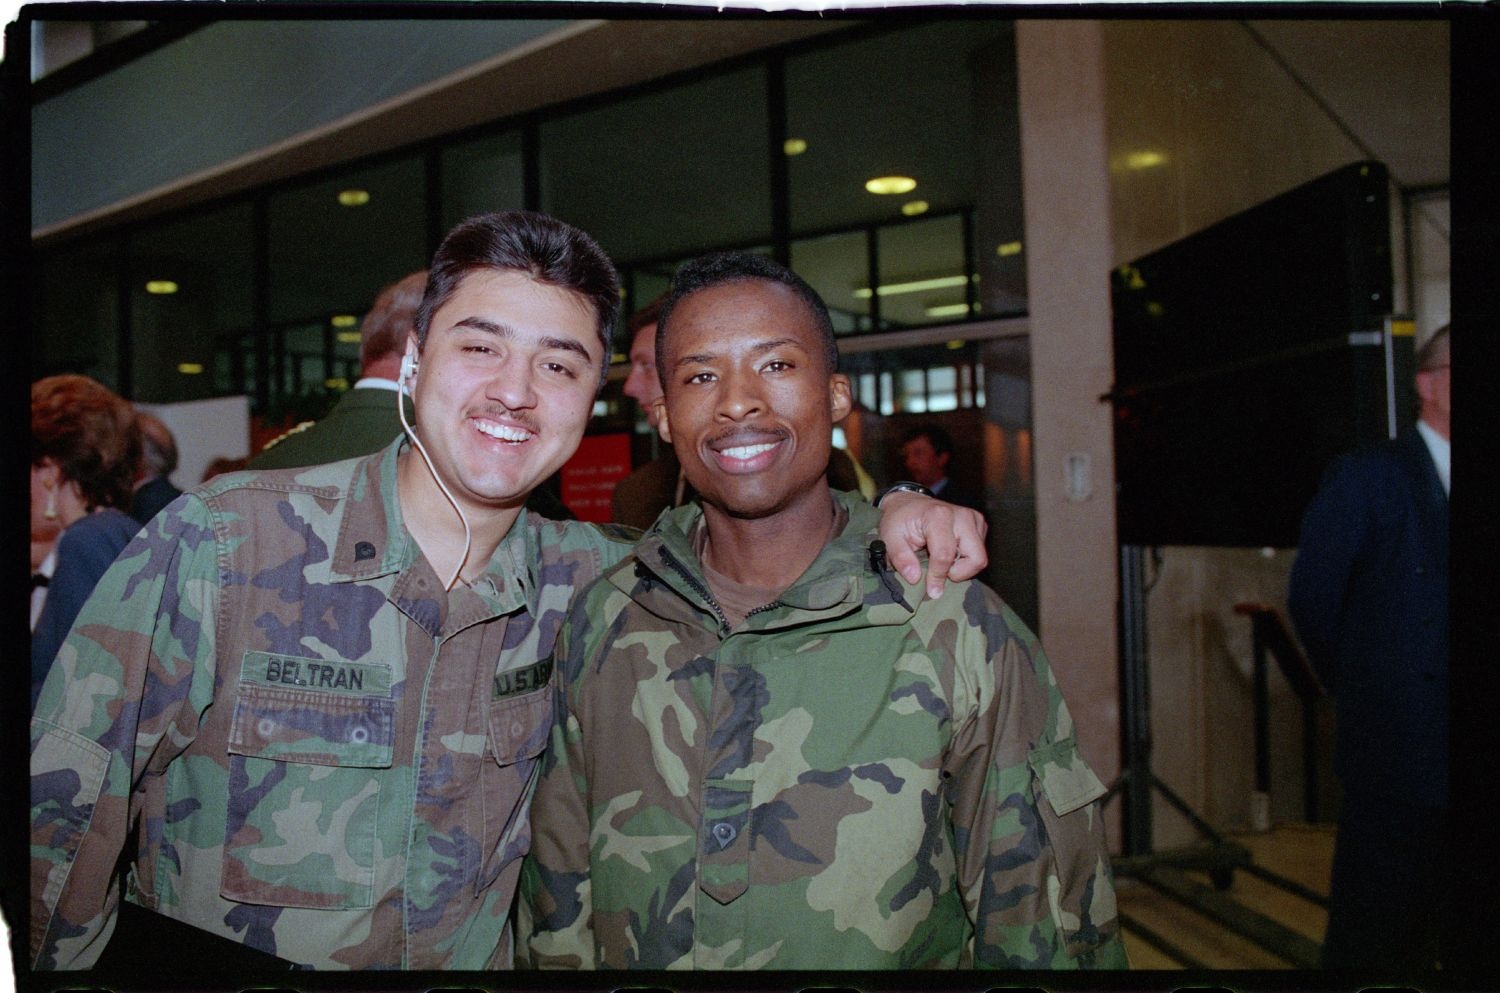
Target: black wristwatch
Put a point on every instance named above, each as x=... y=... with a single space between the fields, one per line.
x=906 y=486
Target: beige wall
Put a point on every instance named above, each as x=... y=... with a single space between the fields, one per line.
x=1232 y=129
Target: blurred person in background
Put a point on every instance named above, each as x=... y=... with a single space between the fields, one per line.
x=1368 y=596
x=364 y=419
x=85 y=450
x=926 y=451
x=154 y=489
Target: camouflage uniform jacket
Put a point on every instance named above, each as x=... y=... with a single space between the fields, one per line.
x=328 y=757
x=854 y=778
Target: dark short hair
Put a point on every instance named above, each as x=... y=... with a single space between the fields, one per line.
x=90 y=433
x=940 y=440
x=720 y=268
x=392 y=318
x=544 y=248
x=1434 y=350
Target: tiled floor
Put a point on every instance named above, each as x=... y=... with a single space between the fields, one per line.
x=1302 y=853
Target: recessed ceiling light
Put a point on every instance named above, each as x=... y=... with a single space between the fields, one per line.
x=1144 y=160
x=915 y=286
x=885 y=185
x=912 y=208
x=354 y=198
x=948 y=310
x=190 y=368
x=343 y=320
x=794 y=146
x=1008 y=249
x=347 y=337
x=161 y=287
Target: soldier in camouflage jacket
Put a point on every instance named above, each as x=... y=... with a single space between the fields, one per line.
x=856 y=777
x=332 y=756
x=851 y=776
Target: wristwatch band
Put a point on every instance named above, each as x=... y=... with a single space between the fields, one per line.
x=907 y=486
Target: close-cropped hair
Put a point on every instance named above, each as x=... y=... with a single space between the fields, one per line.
x=542 y=247
x=90 y=433
x=392 y=318
x=721 y=268
x=1434 y=351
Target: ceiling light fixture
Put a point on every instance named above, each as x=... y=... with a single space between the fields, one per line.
x=336 y=383
x=912 y=208
x=915 y=286
x=948 y=310
x=1144 y=160
x=347 y=337
x=794 y=146
x=354 y=198
x=343 y=320
x=887 y=185
x=161 y=287
x=1008 y=249
x=190 y=368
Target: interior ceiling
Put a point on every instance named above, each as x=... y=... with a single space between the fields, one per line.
x=1387 y=81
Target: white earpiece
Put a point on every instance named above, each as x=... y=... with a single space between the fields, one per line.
x=408 y=368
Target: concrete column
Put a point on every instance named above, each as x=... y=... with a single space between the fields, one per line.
x=1065 y=189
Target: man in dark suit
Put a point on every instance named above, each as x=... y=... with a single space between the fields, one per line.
x=1369 y=598
x=926 y=451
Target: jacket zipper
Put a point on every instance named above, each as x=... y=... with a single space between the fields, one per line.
x=698 y=588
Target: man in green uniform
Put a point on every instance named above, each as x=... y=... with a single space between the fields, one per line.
x=773 y=752
x=365 y=419
x=319 y=695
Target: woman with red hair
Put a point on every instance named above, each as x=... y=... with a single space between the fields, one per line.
x=85 y=453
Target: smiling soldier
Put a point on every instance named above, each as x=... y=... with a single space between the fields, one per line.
x=320 y=694
x=773 y=752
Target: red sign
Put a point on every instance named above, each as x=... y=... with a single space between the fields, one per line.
x=589 y=477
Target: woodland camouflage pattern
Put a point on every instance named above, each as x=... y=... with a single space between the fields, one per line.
x=333 y=756
x=855 y=778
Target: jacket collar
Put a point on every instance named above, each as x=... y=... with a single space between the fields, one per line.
x=373 y=540
x=839 y=581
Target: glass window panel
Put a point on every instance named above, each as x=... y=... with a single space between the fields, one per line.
x=913 y=398
x=838 y=267
x=327 y=258
x=176 y=337
x=665 y=175
x=75 y=318
x=483 y=175
x=942 y=388
x=305 y=366
x=935 y=103
x=922 y=272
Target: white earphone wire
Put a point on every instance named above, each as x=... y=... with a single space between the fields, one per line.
x=409 y=366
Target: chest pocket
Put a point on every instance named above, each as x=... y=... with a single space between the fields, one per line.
x=520 y=723
x=306 y=745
